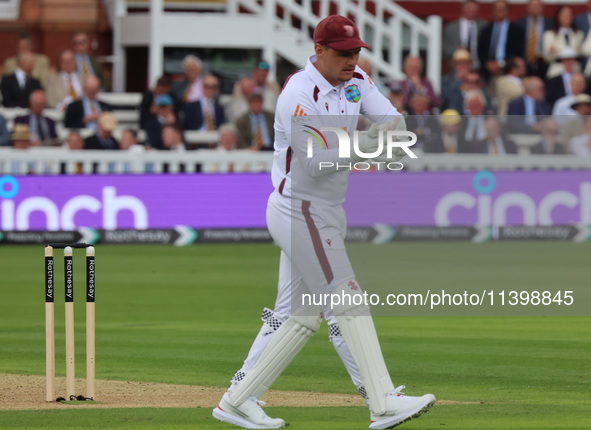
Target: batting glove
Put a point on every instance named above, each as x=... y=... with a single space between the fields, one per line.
x=368 y=142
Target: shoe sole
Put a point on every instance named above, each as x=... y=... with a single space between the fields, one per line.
x=237 y=421
x=397 y=420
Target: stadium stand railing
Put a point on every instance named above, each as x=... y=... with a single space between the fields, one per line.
x=283 y=28
x=138 y=160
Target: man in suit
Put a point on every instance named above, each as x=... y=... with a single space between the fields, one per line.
x=549 y=143
x=255 y=128
x=451 y=143
x=164 y=115
x=533 y=26
x=464 y=32
x=495 y=143
x=424 y=125
x=103 y=138
x=499 y=41
x=583 y=20
x=526 y=113
x=510 y=86
x=472 y=127
x=17 y=88
x=42 y=129
x=451 y=83
x=65 y=86
x=189 y=89
x=559 y=86
x=205 y=114
x=562 y=110
x=148 y=105
x=25 y=46
x=84 y=113
x=87 y=64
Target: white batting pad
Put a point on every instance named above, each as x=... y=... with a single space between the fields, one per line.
x=287 y=342
x=359 y=332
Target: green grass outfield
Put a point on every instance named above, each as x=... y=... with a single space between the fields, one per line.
x=188 y=316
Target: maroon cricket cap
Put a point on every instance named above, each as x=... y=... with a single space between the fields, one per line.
x=338 y=32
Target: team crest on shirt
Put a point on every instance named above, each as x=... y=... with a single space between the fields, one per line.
x=352 y=93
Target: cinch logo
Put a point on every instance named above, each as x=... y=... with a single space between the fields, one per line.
x=17 y=217
x=344 y=143
x=493 y=212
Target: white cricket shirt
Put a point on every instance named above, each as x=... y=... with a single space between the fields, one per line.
x=308 y=101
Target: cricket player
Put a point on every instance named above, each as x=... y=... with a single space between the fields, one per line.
x=307 y=221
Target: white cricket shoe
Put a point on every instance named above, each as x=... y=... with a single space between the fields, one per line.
x=248 y=415
x=401 y=409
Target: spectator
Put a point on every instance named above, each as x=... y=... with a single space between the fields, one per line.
x=499 y=41
x=583 y=20
x=396 y=97
x=255 y=128
x=527 y=112
x=424 y=125
x=65 y=86
x=172 y=138
x=451 y=143
x=24 y=45
x=239 y=106
x=20 y=137
x=205 y=114
x=495 y=142
x=228 y=139
x=83 y=113
x=148 y=104
x=74 y=141
x=472 y=128
x=472 y=81
x=533 y=27
x=452 y=82
x=227 y=143
x=42 y=128
x=464 y=33
x=559 y=86
x=562 y=35
x=562 y=110
x=581 y=145
x=17 y=87
x=510 y=86
x=189 y=89
x=365 y=65
x=103 y=138
x=164 y=115
x=128 y=139
x=415 y=83
x=269 y=90
x=86 y=64
x=575 y=127
x=4 y=134
x=549 y=143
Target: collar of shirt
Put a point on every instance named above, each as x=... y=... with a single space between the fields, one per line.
x=516 y=80
x=566 y=81
x=21 y=77
x=499 y=145
x=564 y=30
x=323 y=85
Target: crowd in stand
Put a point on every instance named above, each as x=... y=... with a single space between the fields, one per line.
x=507 y=77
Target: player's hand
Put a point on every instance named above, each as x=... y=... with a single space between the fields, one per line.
x=396 y=124
x=368 y=142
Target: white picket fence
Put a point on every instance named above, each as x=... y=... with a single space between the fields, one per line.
x=137 y=160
